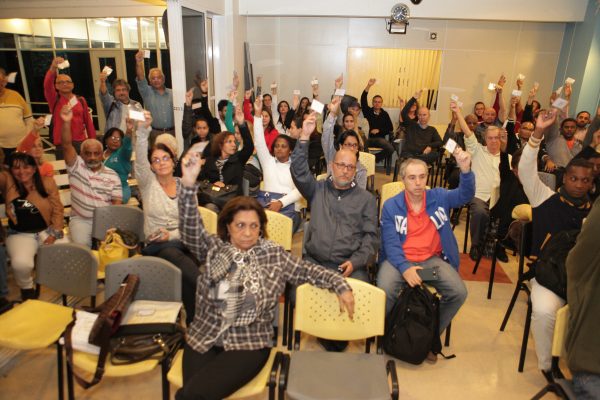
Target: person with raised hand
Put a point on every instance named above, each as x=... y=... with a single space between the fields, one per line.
x=116 y=107
x=380 y=124
x=241 y=277
x=32 y=145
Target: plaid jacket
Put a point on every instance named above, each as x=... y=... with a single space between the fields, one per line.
x=277 y=267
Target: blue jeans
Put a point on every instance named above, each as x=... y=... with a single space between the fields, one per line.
x=3 y=273
x=449 y=285
x=586 y=386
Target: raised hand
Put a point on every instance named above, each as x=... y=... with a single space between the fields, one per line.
x=334 y=105
x=191 y=165
x=236 y=80
x=232 y=96
x=189 y=95
x=463 y=159
x=258 y=105
x=102 y=77
x=55 y=62
x=339 y=81
x=130 y=124
x=568 y=91
x=520 y=83
x=66 y=114
x=39 y=123
x=418 y=94
x=371 y=82
x=259 y=81
x=148 y=121
x=454 y=107
x=501 y=83
x=308 y=126
x=239 y=115
x=545 y=119
x=139 y=56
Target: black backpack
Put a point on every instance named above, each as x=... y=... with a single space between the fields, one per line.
x=412 y=327
x=550 y=269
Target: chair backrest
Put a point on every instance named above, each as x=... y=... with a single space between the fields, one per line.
x=548 y=179
x=390 y=190
x=118 y=216
x=159 y=279
x=522 y=212
x=560 y=331
x=318 y=312
x=67 y=268
x=280 y=229
x=368 y=160
x=209 y=219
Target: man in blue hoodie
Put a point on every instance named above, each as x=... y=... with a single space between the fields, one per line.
x=416 y=235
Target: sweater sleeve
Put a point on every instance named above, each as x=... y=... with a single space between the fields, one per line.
x=260 y=142
x=534 y=188
x=327 y=139
x=304 y=180
x=50 y=92
x=246 y=152
x=369 y=239
x=391 y=239
x=57 y=217
x=143 y=173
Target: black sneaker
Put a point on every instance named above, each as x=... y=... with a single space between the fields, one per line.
x=501 y=255
x=474 y=253
x=27 y=294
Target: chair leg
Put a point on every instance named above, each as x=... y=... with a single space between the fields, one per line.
x=290 y=327
x=479 y=257
x=466 y=231
x=70 y=385
x=59 y=370
x=541 y=393
x=513 y=300
x=525 y=336
x=447 y=338
x=164 y=369
x=493 y=270
x=64 y=300
x=284 y=333
x=93 y=301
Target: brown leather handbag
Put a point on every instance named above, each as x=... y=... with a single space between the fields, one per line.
x=107 y=324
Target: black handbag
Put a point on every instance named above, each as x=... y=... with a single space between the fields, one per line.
x=134 y=348
x=209 y=193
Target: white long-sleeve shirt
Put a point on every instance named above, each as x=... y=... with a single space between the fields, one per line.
x=277 y=176
x=485 y=165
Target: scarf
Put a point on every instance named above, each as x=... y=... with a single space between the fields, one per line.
x=220 y=163
x=582 y=202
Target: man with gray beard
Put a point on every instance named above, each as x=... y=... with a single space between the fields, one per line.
x=92 y=184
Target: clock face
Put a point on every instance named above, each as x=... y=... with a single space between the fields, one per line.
x=400 y=12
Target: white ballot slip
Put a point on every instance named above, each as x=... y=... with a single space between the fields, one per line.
x=517 y=93
x=73 y=102
x=459 y=104
x=558 y=91
x=64 y=64
x=146 y=53
x=521 y=77
x=536 y=85
x=137 y=115
x=196 y=106
x=560 y=103
x=273 y=86
x=317 y=106
x=450 y=146
x=569 y=81
x=48 y=120
x=11 y=77
x=296 y=92
x=492 y=86
x=340 y=92
x=454 y=98
x=314 y=82
x=81 y=332
x=107 y=70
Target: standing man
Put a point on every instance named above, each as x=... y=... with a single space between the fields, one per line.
x=116 y=108
x=15 y=116
x=92 y=184
x=416 y=235
x=58 y=90
x=158 y=99
x=380 y=125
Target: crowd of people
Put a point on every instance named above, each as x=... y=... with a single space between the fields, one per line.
x=231 y=281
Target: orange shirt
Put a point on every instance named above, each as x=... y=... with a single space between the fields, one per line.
x=422 y=240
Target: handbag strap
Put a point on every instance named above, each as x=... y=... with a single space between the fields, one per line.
x=104 y=350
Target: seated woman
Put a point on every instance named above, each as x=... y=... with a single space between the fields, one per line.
x=154 y=173
x=117 y=155
x=194 y=129
x=270 y=133
x=241 y=279
x=32 y=145
x=279 y=193
x=348 y=140
x=286 y=114
x=35 y=216
x=224 y=167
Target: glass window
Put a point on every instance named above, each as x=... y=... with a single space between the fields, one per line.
x=10 y=62
x=130 y=66
x=166 y=66
x=70 y=33
x=161 y=34
x=148 y=33
x=36 y=63
x=7 y=40
x=129 y=27
x=104 y=33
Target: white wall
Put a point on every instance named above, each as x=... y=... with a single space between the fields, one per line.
x=291 y=50
x=505 y=10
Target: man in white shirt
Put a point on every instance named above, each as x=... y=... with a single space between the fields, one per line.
x=486 y=160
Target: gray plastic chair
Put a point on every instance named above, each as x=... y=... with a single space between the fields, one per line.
x=548 y=179
x=68 y=268
x=118 y=216
x=159 y=279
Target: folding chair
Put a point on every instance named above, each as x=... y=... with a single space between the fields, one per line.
x=325 y=375
x=368 y=160
x=209 y=219
x=117 y=216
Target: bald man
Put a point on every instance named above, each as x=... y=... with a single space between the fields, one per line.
x=422 y=141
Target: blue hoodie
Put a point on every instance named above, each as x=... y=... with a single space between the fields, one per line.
x=438 y=204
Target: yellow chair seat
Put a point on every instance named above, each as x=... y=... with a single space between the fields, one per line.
x=34 y=324
x=88 y=362
x=252 y=388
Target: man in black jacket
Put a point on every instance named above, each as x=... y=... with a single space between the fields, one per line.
x=380 y=124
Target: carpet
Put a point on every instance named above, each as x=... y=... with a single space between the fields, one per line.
x=483 y=272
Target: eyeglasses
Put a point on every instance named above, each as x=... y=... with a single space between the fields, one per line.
x=350 y=145
x=115 y=138
x=346 y=167
x=157 y=160
x=63 y=82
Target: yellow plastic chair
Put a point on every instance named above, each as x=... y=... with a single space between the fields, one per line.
x=318 y=314
x=559 y=385
x=280 y=229
x=209 y=219
x=522 y=212
x=368 y=160
x=34 y=325
x=389 y=190
x=267 y=377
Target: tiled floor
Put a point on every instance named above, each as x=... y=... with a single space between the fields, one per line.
x=485 y=366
